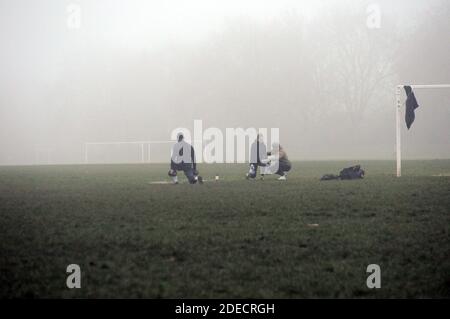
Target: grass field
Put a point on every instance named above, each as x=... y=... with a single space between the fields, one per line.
x=232 y=238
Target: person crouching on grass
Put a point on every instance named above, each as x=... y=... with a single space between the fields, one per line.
x=279 y=162
x=183 y=159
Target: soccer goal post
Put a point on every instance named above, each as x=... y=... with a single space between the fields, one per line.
x=141 y=149
x=399 y=105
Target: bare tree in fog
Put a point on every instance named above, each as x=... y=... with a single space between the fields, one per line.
x=425 y=48
x=355 y=62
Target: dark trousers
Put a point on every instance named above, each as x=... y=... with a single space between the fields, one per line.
x=283 y=166
x=187 y=169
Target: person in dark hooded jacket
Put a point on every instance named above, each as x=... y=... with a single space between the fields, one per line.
x=258 y=157
x=183 y=159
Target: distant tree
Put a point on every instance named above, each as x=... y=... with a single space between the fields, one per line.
x=424 y=51
x=355 y=63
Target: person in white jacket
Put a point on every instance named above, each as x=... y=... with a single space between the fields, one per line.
x=279 y=162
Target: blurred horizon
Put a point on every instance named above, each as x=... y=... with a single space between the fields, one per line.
x=323 y=72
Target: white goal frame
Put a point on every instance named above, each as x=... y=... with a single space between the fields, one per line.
x=399 y=105
x=141 y=143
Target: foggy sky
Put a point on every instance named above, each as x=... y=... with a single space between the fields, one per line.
x=135 y=70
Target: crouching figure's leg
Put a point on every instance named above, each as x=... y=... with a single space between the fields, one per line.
x=173 y=176
x=192 y=175
x=173 y=171
x=283 y=168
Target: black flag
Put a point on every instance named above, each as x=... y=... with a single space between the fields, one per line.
x=411 y=105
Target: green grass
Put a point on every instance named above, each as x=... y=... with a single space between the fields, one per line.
x=232 y=238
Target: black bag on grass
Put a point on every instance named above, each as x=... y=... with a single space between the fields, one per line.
x=354 y=172
x=329 y=177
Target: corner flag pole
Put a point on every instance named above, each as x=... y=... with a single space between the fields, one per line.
x=399 y=113
x=398 y=131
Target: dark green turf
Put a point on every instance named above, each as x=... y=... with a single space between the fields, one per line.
x=232 y=238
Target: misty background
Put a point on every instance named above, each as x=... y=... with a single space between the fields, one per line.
x=134 y=70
